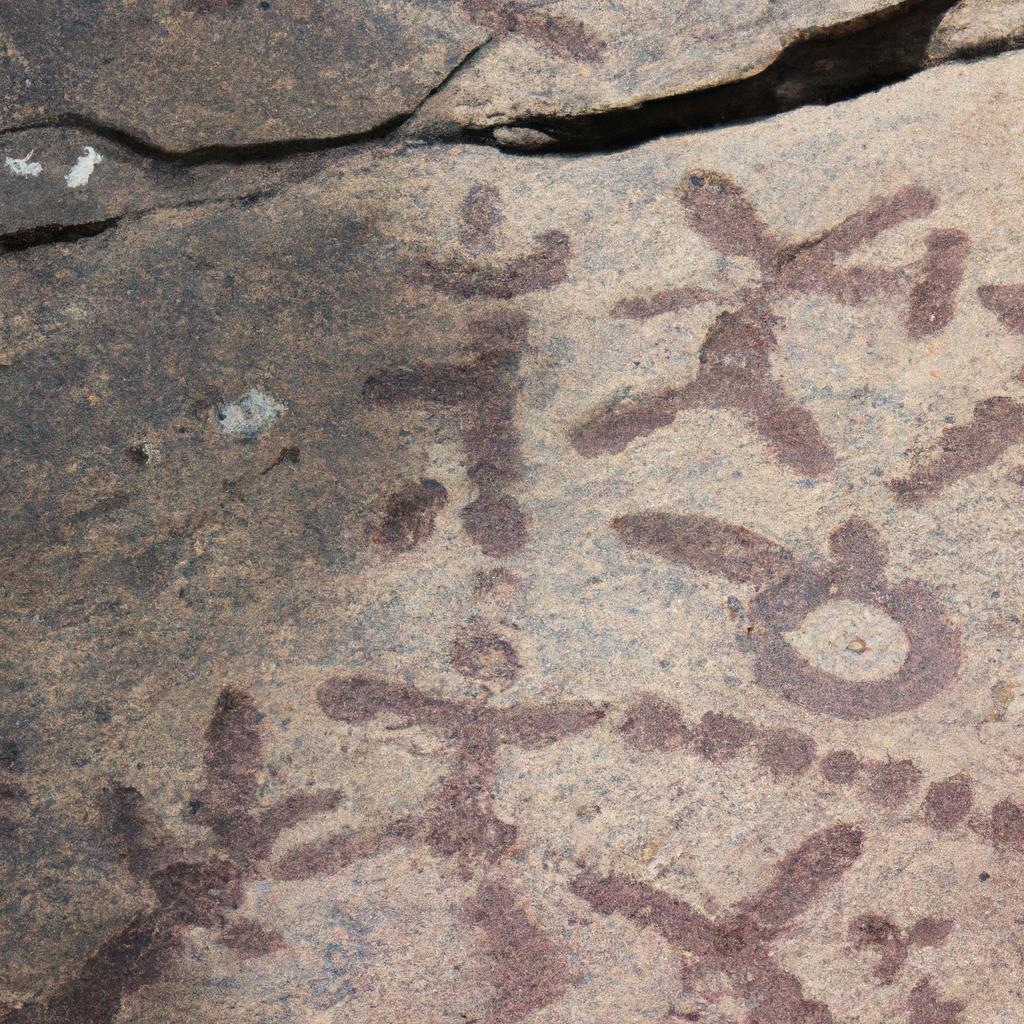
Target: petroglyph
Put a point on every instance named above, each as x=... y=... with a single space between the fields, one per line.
x=190 y=888
x=738 y=944
x=735 y=369
x=786 y=592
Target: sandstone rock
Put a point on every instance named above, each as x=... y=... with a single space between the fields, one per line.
x=56 y=183
x=459 y=585
x=224 y=73
x=978 y=26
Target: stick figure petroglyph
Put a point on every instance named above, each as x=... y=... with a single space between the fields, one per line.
x=190 y=888
x=735 y=369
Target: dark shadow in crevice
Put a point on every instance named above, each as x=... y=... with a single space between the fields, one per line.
x=248 y=153
x=50 y=234
x=829 y=65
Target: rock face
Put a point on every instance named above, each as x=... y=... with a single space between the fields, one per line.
x=216 y=73
x=443 y=584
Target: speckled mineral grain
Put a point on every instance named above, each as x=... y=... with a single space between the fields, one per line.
x=449 y=585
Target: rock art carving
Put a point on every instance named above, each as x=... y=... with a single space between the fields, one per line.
x=460 y=824
x=190 y=888
x=787 y=591
x=738 y=944
x=735 y=366
x=482 y=389
x=559 y=35
x=892 y=944
x=409 y=516
x=964 y=449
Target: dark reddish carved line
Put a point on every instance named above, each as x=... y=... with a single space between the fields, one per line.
x=568 y=38
x=964 y=449
x=409 y=516
x=529 y=971
x=735 y=369
x=926 y=1007
x=541 y=269
x=877 y=934
x=1007 y=302
x=481 y=216
x=188 y=893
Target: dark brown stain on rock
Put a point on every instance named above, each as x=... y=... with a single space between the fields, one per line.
x=651 y=723
x=502 y=584
x=1007 y=302
x=879 y=935
x=738 y=944
x=933 y=297
x=481 y=216
x=233 y=762
x=328 y=857
x=786 y=751
x=525 y=968
x=720 y=736
x=964 y=449
x=948 y=802
x=704 y=543
x=1004 y=828
x=543 y=267
x=496 y=524
x=735 y=371
x=786 y=591
x=925 y=1006
x=250 y=939
x=460 y=822
x=891 y=783
x=560 y=35
x=483 y=391
x=136 y=956
x=409 y=516
x=654 y=724
x=840 y=767
x=10 y=756
x=485 y=654
x=892 y=944
x=666 y=301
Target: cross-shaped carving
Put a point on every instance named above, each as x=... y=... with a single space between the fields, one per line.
x=735 y=369
x=739 y=944
x=460 y=824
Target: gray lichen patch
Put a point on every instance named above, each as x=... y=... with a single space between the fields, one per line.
x=250 y=415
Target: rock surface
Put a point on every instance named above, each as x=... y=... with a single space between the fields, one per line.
x=225 y=73
x=449 y=585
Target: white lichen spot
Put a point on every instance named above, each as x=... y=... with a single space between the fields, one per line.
x=22 y=166
x=80 y=174
x=251 y=414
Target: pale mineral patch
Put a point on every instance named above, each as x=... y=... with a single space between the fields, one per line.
x=852 y=640
x=23 y=167
x=250 y=415
x=82 y=171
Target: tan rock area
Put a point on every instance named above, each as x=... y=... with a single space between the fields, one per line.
x=444 y=585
